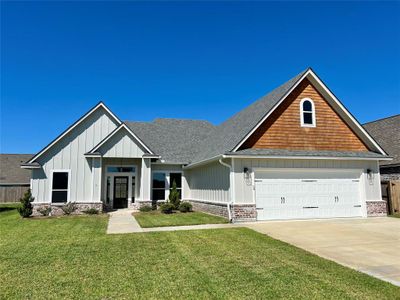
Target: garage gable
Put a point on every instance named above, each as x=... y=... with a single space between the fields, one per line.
x=284 y=128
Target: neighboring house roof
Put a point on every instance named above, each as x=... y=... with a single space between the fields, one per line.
x=387 y=133
x=10 y=171
x=175 y=140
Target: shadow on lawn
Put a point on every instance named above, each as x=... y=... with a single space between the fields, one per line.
x=7 y=208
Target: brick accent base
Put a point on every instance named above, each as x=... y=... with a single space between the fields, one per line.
x=376 y=208
x=56 y=209
x=244 y=212
x=218 y=209
x=239 y=212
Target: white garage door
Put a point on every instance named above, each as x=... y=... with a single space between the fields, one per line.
x=305 y=194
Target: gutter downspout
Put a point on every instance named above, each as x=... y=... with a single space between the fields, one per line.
x=230 y=188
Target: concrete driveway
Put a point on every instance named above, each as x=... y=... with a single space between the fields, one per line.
x=370 y=245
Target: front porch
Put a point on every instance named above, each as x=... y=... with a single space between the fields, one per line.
x=125 y=182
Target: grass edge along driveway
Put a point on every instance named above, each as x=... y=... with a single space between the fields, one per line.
x=158 y=219
x=73 y=258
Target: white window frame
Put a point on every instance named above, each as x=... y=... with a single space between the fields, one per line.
x=168 y=184
x=314 y=123
x=51 y=185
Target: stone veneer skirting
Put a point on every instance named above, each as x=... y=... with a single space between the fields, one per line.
x=239 y=212
x=56 y=208
x=219 y=209
x=376 y=208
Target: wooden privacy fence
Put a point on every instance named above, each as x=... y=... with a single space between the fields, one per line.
x=391 y=193
x=12 y=193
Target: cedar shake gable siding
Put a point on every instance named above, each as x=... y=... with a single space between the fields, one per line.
x=283 y=130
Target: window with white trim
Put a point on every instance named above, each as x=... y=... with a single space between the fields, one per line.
x=307 y=113
x=59 y=189
x=162 y=182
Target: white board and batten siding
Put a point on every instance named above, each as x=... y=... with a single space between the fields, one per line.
x=121 y=144
x=68 y=154
x=208 y=182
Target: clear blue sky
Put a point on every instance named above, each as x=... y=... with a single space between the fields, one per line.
x=201 y=60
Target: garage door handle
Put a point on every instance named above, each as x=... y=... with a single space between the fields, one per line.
x=357 y=205
x=259 y=208
x=310 y=206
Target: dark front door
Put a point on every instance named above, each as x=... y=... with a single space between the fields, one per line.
x=120 y=191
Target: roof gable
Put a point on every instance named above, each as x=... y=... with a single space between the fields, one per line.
x=333 y=101
x=231 y=134
x=98 y=106
x=122 y=137
x=283 y=128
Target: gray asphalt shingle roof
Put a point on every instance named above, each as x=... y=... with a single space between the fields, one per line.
x=232 y=131
x=283 y=152
x=387 y=133
x=190 y=141
x=187 y=141
x=175 y=140
x=10 y=170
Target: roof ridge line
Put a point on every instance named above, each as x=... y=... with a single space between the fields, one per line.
x=396 y=115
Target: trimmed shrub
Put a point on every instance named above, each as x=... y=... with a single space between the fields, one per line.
x=145 y=208
x=25 y=210
x=174 y=197
x=166 y=208
x=185 y=207
x=45 y=211
x=69 y=208
x=91 y=211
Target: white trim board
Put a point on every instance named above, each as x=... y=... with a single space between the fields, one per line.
x=307 y=157
x=329 y=96
x=69 y=129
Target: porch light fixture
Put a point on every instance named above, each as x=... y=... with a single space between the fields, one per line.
x=370 y=175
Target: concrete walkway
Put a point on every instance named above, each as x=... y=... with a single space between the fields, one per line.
x=122 y=221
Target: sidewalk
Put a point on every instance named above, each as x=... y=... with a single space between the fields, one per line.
x=122 y=221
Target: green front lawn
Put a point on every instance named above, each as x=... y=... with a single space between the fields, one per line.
x=73 y=258
x=158 y=219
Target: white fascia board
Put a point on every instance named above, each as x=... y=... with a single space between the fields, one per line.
x=30 y=166
x=314 y=78
x=123 y=125
x=306 y=157
x=91 y=155
x=69 y=129
x=202 y=162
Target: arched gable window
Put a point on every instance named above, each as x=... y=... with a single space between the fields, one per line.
x=307 y=113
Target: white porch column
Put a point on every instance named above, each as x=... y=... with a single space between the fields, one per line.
x=145 y=180
x=96 y=179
